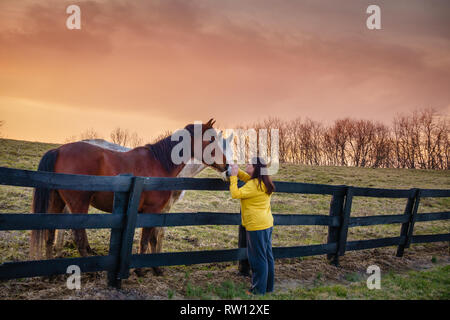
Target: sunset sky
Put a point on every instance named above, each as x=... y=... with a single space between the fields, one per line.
x=149 y=66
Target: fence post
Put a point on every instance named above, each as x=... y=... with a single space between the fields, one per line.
x=343 y=231
x=407 y=228
x=336 y=208
x=129 y=228
x=119 y=207
x=244 y=265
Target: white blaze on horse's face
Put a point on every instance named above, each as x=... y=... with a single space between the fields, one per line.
x=227 y=150
x=225 y=146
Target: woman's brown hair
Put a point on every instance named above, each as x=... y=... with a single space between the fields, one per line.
x=259 y=163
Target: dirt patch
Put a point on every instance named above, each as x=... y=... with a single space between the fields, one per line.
x=289 y=273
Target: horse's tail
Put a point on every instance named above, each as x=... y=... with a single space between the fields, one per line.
x=41 y=199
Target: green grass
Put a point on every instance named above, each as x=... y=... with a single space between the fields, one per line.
x=414 y=285
x=224 y=290
x=26 y=155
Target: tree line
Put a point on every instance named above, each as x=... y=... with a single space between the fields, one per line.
x=416 y=140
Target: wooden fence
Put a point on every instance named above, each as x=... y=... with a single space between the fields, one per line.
x=124 y=220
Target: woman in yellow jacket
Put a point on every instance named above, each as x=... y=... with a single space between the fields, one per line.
x=257 y=219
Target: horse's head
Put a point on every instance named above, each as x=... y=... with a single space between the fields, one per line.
x=209 y=147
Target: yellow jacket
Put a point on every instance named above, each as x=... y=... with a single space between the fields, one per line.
x=255 y=203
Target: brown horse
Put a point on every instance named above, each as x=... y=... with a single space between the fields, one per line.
x=152 y=160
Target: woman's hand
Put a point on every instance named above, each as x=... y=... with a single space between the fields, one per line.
x=234 y=169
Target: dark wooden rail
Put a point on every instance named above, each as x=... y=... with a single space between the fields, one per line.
x=125 y=219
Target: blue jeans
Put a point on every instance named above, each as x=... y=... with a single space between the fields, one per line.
x=260 y=257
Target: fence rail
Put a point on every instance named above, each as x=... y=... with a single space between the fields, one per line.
x=125 y=219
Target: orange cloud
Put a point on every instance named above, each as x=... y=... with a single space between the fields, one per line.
x=191 y=60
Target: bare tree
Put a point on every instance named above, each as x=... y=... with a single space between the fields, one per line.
x=412 y=142
x=124 y=138
x=120 y=136
x=361 y=135
x=135 y=140
x=434 y=133
x=442 y=144
x=338 y=137
x=90 y=134
x=1 y=125
x=274 y=123
x=381 y=152
x=295 y=128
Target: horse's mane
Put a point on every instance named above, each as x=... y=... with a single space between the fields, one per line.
x=162 y=150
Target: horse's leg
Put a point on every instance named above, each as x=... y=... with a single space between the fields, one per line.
x=145 y=240
x=78 y=202
x=59 y=242
x=55 y=205
x=153 y=236
x=156 y=238
x=81 y=240
x=143 y=246
x=157 y=233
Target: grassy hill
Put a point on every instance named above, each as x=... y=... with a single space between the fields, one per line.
x=26 y=155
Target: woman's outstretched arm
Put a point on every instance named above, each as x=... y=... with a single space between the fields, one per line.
x=244 y=176
x=248 y=190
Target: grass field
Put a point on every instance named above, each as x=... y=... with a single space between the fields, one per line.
x=417 y=285
x=14 y=244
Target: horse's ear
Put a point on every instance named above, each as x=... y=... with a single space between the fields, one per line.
x=210 y=122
